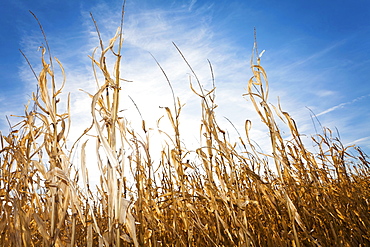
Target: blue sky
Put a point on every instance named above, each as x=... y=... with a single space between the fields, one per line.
x=317 y=57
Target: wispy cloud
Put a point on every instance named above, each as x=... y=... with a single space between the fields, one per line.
x=153 y=31
x=341 y=105
x=319 y=53
x=359 y=141
x=192 y=4
x=325 y=93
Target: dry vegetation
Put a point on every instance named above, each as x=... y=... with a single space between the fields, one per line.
x=223 y=197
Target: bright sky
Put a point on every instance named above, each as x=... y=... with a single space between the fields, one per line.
x=317 y=57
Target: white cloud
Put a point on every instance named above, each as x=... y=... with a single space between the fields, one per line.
x=153 y=31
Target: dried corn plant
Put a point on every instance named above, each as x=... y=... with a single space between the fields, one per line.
x=212 y=195
x=39 y=193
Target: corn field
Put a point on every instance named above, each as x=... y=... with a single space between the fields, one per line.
x=213 y=195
